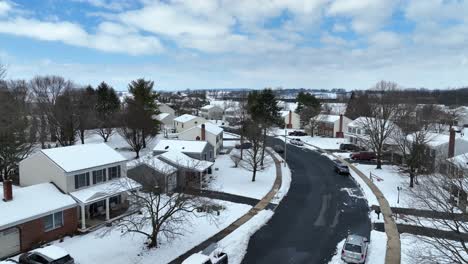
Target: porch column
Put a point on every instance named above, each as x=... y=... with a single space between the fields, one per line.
x=83 y=216
x=107 y=209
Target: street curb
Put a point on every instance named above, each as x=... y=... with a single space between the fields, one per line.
x=261 y=205
x=393 y=252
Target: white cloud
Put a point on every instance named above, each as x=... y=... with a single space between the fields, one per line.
x=5 y=7
x=385 y=39
x=111 y=5
x=109 y=38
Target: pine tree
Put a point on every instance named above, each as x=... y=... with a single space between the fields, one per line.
x=107 y=108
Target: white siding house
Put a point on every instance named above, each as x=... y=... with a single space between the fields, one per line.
x=95 y=175
x=213 y=134
x=187 y=121
x=291 y=119
x=211 y=112
x=164 y=108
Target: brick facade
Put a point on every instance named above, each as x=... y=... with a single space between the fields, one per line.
x=32 y=233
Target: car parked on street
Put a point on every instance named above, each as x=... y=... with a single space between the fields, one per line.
x=363 y=155
x=350 y=147
x=341 y=168
x=297 y=133
x=296 y=141
x=278 y=148
x=216 y=257
x=355 y=249
x=47 y=255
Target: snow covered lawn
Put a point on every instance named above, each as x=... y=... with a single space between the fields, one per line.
x=323 y=142
x=236 y=243
x=412 y=248
x=239 y=180
x=99 y=246
x=376 y=251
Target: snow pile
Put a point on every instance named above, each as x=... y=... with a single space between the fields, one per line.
x=236 y=243
x=285 y=181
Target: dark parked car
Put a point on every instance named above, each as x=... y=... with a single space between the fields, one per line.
x=341 y=168
x=297 y=133
x=245 y=145
x=46 y=255
x=351 y=147
x=278 y=148
x=363 y=156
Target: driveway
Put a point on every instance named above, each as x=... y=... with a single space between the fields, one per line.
x=320 y=209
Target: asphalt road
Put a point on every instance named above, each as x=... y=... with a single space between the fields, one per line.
x=320 y=209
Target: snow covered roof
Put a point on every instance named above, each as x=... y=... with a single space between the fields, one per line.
x=192 y=146
x=185 y=118
x=328 y=118
x=83 y=156
x=208 y=107
x=33 y=202
x=106 y=189
x=460 y=160
x=52 y=252
x=180 y=159
x=212 y=128
x=161 y=116
x=154 y=163
x=285 y=113
x=438 y=139
x=362 y=121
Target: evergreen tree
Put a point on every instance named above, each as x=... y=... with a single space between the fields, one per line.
x=306 y=100
x=107 y=108
x=358 y=105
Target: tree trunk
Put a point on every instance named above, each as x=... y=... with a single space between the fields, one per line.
x=254 y=173
x=379 y=160
x=144 y=138
x=411 y=176
x=242 y=149
x=263 y=147
x=82 y=134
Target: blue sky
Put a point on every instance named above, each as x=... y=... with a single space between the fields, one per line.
x=181 y=44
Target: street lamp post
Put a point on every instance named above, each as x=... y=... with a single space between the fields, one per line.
x=285 y=144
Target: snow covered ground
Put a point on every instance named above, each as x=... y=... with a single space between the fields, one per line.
x=376 y=251
x=285 y=180
x=99 y=245
x=238 y=180
x=236 y=243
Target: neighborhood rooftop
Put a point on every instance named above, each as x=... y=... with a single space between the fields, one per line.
x=192 y=146
x=161 y=116
x=185 y=118
x=83 y=156
x=209 y=127
x=207 y=107
x=110 y=188
x=33 y=202
x=328 y=118
x=184 y=161
x=153 y=162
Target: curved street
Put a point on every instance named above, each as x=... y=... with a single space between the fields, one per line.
x=318 y=212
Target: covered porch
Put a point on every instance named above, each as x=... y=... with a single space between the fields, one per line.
x=104 y=203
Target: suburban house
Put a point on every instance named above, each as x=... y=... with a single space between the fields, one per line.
x=458 y=173
x=211 y=112
x=191 y=173
x=331 y=125
x=94 y=175
x=462 y=116
x=150 y=171
x=164 y=108
x=166 y=121
x=33 y=215
x=187 y=121
x=357 y=134
x=291 y=119
x=205 y=132
x=440 y=147
x=200 y=150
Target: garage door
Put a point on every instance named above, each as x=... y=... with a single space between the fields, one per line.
x=9 y=242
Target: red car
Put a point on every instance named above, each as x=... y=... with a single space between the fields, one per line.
x=363 y=156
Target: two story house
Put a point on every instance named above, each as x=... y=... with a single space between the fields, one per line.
x=187 y=121
x=94 y=175
x=209 y=132
x=291 y=119
x=211 y=112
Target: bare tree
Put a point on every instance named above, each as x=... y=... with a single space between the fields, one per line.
x=253 y=159
x=314 y=122
x=163 y=215
x=446 y=194
x=2 y=71
x=14 y=142
x=379 y=125
x=242 y=118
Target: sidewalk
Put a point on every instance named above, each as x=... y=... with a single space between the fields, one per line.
x=264 y=203
x=393 y=253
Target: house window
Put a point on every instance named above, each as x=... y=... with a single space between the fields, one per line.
x=99 y=176
x=115 y=200
x=53 y=221
x=114 y=172
x=182 y=125
x=81 y=180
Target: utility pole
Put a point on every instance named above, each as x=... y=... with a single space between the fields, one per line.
x=285 y=143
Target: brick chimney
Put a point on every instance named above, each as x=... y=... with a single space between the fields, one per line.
x=203 y=132
x=340 y=133
x=290 y=120
x=7 y=190
x=451 y=146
